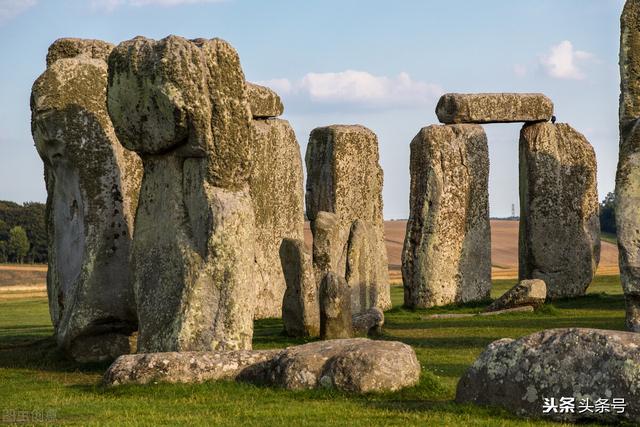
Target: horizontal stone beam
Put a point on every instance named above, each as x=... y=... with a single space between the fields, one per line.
x=493 y=108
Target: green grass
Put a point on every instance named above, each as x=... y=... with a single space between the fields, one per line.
x=609 y=237
x=34 y=376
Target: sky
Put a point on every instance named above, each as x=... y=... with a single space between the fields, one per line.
x=378 y=63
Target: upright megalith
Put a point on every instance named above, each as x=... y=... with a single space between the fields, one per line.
x=277 y=192
x=344 y=178
x=92 y=194
x=335 y=308
x=182 y=106
x=300 y=306
x=628 y=175
x=493 y=108
x=559 y=223
x=447 y=249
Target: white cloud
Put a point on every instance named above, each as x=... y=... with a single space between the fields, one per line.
x=563 y=62
x=111 y=5
x=520 y=70
x=359 y=87
x=9 y=9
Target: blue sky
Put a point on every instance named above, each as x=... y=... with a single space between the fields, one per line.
x=378 y=63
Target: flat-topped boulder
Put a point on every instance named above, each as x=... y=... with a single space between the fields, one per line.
x=355 y=365
x=581 y=364
x=493 y=108
x=264 y=102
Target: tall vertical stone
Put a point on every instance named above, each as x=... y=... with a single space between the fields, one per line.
x=300 y=305
x=628 y=175
x=182 y=106
x=335 y=308
x=276 y=187
x=344 y=178
x=92 y=195
x=559 y=223
x=447 y=249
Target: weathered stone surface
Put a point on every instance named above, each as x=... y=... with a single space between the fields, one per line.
x=527 y=292
x=628 y=175
x=447 y=249
x=276 y=186
x=185 y=367
x=355 y=365
x=493 y=108
x=559 y=223
x=361 y=266
x=92 y=197
x=300 y=305
x=182 y=106
x=345 y=178
x=264 y=102
x=368 y=322
x=71 y=48
x=580 y=363
x=352 y=365
x=329 y=245
x=335 y=308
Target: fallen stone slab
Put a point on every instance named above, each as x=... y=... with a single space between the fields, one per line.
x=526 y=293
x=525 y=309
x=493 y=108
x=184 y=367
x=368 y=323
x=356 y=365
x=524 y=375
x=263 y=101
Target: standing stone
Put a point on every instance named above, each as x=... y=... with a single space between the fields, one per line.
x=344 y=178
x=628 y=175
x=447 y=249
x=335 y=308
x=92 y=194
x=276 y=187
x=182 y=106
x=559 y=223
x=300 y=307
x=329 y=245
x=493 y=108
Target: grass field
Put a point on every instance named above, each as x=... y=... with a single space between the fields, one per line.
x=34 y=377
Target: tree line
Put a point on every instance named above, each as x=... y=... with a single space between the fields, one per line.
x=23 y=235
